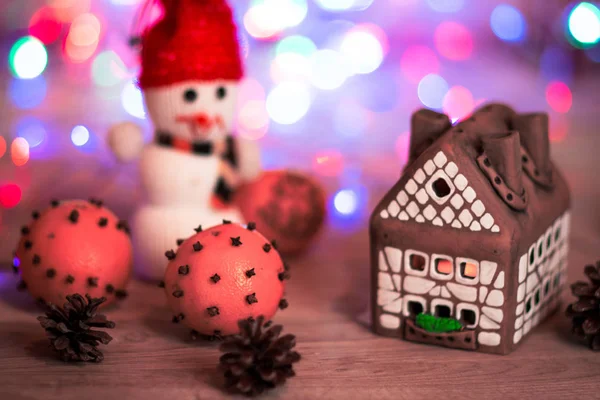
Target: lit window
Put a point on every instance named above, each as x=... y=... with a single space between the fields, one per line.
x=468 y=270
x=442 y=267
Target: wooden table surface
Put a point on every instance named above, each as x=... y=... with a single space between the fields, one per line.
x=150 y=358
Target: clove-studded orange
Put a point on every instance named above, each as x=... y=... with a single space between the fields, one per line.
x=222 y=275
x=74 y=247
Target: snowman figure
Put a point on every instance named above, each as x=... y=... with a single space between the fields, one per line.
x=191 y=69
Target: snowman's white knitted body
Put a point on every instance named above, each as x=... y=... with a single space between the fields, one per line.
x=180 y=185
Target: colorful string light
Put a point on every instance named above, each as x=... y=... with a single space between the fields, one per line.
x=80 y=135
x=458 y=103
x=345 y=201
x=584 y=24
x=453 y=41
x=446 y=6
x=508 y=23
x=32 y=130
x=44 y=25
x=19 y=151
x=431 y=90
x=362 y=50
x=288 y=103
x=417 y=62
x=10 y=195
x=2 y=146
x=108 y=69
x=328 y=163
x=559 y=97
x=27 y=94
x=132 y=100
x=329 y=69
x=28 y=58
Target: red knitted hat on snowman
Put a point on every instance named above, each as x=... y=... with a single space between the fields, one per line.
x=195 y=40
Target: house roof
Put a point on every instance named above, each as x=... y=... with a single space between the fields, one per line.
x=490 y=170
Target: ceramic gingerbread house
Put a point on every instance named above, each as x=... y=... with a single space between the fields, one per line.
x=476 y=229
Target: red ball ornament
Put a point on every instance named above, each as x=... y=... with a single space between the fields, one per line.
x=74 y=247
x=288 y=206
x=222 y=275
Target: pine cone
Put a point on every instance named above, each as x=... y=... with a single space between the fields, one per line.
x=69 y=328
x=257 y=360
x=586 y=310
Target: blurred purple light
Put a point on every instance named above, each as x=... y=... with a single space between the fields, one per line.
x=446 y=6
x=432 y=90
x=508 y=23
x=379 y=91
x=556 y=64
x=350 y=119
x=32 y=130
x=27 y=93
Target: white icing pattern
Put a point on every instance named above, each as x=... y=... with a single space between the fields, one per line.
x=542 y=274
x=439 y=189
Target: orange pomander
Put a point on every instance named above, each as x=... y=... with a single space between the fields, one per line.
x=74 y=247
x=222 y=275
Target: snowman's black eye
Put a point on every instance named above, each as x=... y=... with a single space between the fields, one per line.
x=190 y=95
x=221 y=93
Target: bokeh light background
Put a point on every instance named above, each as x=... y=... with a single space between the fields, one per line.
x=329 y=89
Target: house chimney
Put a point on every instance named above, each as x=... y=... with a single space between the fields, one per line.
x=533 y=129
x=504 y=153
x=426 y=127
x=494 y=117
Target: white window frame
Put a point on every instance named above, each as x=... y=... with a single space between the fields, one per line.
x=434 y=273
x=467 y=306
x=412 y=298
x=429 y=187
x=442 y=302
x=460 y=278
x=407 y=266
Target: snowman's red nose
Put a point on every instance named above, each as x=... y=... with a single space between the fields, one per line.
x=200 y=120
x=203 y=121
